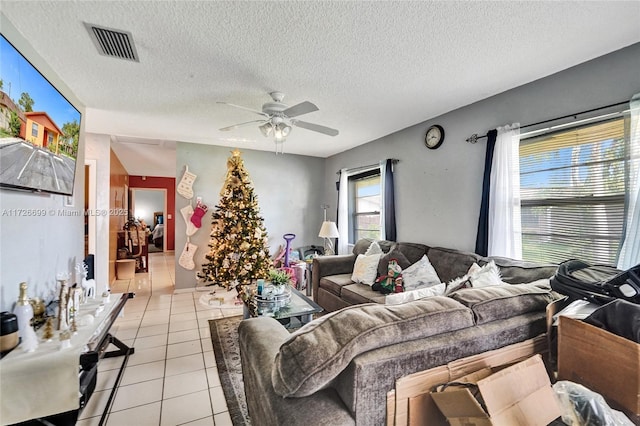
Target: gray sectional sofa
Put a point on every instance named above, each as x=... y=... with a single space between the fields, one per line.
x=338 y=369
x=333 y=288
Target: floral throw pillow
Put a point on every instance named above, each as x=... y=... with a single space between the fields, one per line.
x=420 y=274
x=365 y=269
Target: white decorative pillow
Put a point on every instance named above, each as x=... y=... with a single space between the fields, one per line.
x=420 y=274
x=365 y=269
x=374 y=248
x=409 y=296
x=457 y=284
x=486 y=275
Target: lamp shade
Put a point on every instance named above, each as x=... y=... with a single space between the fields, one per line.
x=266 y=129
x=328 y=230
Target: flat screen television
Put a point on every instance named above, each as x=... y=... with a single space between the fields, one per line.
x=39 y=128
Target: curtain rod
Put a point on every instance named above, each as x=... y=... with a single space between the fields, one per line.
x=474 y=138
x=370 y=166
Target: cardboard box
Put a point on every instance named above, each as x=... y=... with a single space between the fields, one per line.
x=413 y=402
x=516 y=395
x=125 y=269
x=602 y=361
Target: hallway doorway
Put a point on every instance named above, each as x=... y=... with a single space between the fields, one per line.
x=150 y=205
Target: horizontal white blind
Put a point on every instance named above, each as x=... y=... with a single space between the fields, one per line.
x=572 y=192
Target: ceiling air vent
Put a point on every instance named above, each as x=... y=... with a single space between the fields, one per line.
x=114 y=43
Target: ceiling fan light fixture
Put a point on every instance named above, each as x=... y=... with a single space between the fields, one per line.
x=282 y=130
x=266 y=129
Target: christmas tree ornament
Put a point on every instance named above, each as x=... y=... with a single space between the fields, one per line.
x=186 y=258
x=185 y=187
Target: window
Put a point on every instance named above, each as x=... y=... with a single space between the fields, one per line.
x=50 y=138
x=365 y=205
x=34 y=130
x=573 y=192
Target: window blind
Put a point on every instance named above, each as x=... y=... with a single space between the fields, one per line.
x=366 y=204
x=573 y=192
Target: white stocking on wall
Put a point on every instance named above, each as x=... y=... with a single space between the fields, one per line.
x=186 y=258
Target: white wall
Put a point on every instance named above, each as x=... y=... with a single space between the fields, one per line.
x=147 y=202
x=98 y=148
x=438 y=191
x=289 y=189
x=35 y=249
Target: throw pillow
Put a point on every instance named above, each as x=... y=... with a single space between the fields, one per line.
x=486 y=275
x=383 y=266
x=374 y=248
x=365 y=269
x=457 y=284
x=409 y=296
x=420 y=274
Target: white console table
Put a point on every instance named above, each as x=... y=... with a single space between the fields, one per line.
x=50 y=381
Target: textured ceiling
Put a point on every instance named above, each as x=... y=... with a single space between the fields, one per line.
x=372 y=68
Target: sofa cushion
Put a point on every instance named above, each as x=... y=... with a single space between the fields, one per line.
x=518 y=271
x=362 y=245
x=360 y=293
x=394 y=253
x=314 y=355
x=450 y=263
x=505 y=301
x=334 y=283
x=412 y=251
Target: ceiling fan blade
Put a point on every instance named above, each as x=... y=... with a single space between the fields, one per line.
x=235 y=126
x=245 y=108
x=299 y=109
x=315 y=127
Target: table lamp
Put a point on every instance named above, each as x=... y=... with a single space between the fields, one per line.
x=328 y=230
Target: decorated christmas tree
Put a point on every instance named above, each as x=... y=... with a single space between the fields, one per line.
x=238 y=251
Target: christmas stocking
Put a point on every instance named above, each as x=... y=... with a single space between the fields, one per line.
x=187 y=213
x=185 y=187
x=186 y=258
x=200 y=211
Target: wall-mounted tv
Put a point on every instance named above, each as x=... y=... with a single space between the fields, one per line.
x=39 y=128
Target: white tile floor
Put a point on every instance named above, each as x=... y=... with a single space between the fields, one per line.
x=172 y=378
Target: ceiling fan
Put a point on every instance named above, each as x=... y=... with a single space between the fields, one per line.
x=278 y=118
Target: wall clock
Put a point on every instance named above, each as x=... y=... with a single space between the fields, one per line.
x=434 y=137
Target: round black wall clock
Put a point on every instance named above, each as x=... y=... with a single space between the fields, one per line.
x=434 y=137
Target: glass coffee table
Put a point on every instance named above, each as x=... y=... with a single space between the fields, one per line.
x=299 y=307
